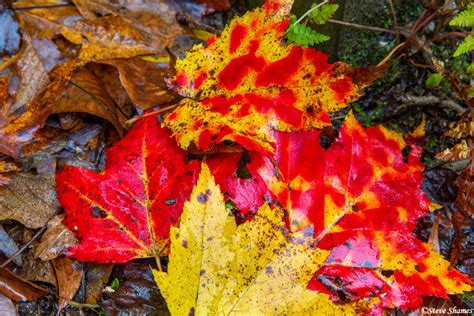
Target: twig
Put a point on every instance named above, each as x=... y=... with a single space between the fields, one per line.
x=38 y=233
x=394 y=18
x=411 y=100
x=393 y=51
x=133 y=120
x=363 y=27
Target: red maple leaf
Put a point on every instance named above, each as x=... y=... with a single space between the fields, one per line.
x=126 y=211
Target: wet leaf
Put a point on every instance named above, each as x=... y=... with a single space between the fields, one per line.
x=256 y=268
x=143 y=80
x=55 y=241
x=5 y=168
x=85 y=93
x=69 y=277
x=28 y=199
x=154 y=21
x=125 y=212
x=246 y=83
x=97 y=276
x=18 y=289
x=137 y=292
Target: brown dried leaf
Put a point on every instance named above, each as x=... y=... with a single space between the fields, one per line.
x=6 y=167
x=55 y=240
x=97 y=277
x=85 y=93
x=154 y=20
x=19 y=289
x=143 y=81
x=460 y=151
x=28 y=199
x=68 y=276
x=20 y=129
x=33 y=75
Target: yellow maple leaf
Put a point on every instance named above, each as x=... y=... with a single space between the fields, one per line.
x=258 y=268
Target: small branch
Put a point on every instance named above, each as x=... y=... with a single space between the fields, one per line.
x=393 y=51
x=394 y=18
x=38 y=233
x=363 y=27
x=411 y=100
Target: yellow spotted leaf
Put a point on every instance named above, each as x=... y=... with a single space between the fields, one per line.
x=246 y=83
x=258 y=268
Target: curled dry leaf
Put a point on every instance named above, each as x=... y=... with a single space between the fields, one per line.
x=245 y=84
x=55 y=241
x=126 y=211
x=28 y=199
x=19 y=289
x=68 y=276
x=143 y=80
x=85 y=93
x=257 y=268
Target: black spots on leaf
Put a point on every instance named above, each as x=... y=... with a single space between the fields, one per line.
x=268 y=270
x=202 y=272
x=192 y=311
x=184 y=243
x=355 y=208
x=170 y=202
x=204 y=197
x=327 y=137
x=387 y=273
x=98 y=213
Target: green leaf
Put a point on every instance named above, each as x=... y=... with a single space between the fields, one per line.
x=115 y=284
x=433 y=81
x=464 y=18
x=303 y=35
x=465 y=47
x=322 y=14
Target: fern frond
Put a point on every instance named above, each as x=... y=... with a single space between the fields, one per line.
x=322 y=14
x=303 y=35
x=465 y=47
x=464 y=18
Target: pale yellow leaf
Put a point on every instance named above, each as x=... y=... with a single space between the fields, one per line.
x=258 y=268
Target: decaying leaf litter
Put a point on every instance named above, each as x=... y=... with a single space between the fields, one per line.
x=83 y=69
